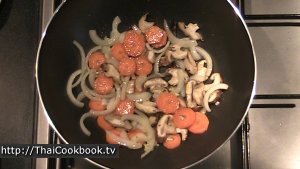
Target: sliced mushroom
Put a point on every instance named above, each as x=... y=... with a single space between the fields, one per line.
x=200 y=76
x=198 y=94
x=166 y=59
x=183 y=132
x=111 y=71
x=177 y=53
x=190 y=30
x=190 y=64
x=163 y=126
x=143 y=24
x=189 y=91
x=155 y=84
x=147 y=107
x=179 y=78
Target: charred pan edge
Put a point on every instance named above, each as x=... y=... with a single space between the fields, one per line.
x=237 y=12
x=37 y=81
x=62 y=138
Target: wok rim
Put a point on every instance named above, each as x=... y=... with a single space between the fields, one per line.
x=44 y=32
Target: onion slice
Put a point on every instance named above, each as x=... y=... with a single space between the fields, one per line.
x=221 y=86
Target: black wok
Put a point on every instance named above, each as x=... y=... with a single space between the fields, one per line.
x=226 y=39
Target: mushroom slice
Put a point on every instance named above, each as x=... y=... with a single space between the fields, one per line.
x=198 y=94
x=189 y=92
x=155 y=84
x=190 y=64
x=200 y=76
x=143 y=24
x=183 y=132
x=166 y=59
x=147 y=107
x=190 y=30
x=221 y=86
x=111 y=71
x=162 y=126
x=179 y=78
x=177 y=53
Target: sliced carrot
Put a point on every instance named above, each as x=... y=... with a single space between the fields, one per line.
x=172 y=141
x=110 y=139
x=163 y=41
x=133 y=134
x=154 y=35
x=118 y=51
x=184 y=117
x=134 y=43
x=97 y=105
x=127 y=66
x=200 y=125
x=103 y=85
x=103 y=123
x=96 y=59
x=143 y=66
x=125 y=106
x=167 y=102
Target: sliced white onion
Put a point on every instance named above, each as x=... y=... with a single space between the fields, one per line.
x=143 y=24
x=69 y=89
x=125 y=142
x=221 y=86
x=142 y=96
x=160 y=50
x=82 y=125
x=146 y=127
x=83 y=65
x=181 y=42
x=208 y=59
x=112 y=104
x=139 y=82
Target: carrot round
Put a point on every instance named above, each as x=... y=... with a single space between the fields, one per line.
x=184 y=117
x=103 y=123
x=134 y=43
x=167 y=102
x=109 y=138
x=200 y=125
x=154 y=35
x=125 y=106
x=96 y=59
x=143 y=66
x=118 y=51
x=97 y=105
x=172 y=141
x=127 y=67
x=163 y=41
x=103 y=85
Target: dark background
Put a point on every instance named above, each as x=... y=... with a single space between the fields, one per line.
x=19 y=36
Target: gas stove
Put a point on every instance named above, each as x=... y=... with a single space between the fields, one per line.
x=268 y=137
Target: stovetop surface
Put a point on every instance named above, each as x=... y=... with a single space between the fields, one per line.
x=19 y=32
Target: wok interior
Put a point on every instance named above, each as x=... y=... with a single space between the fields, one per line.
x=225 y=39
